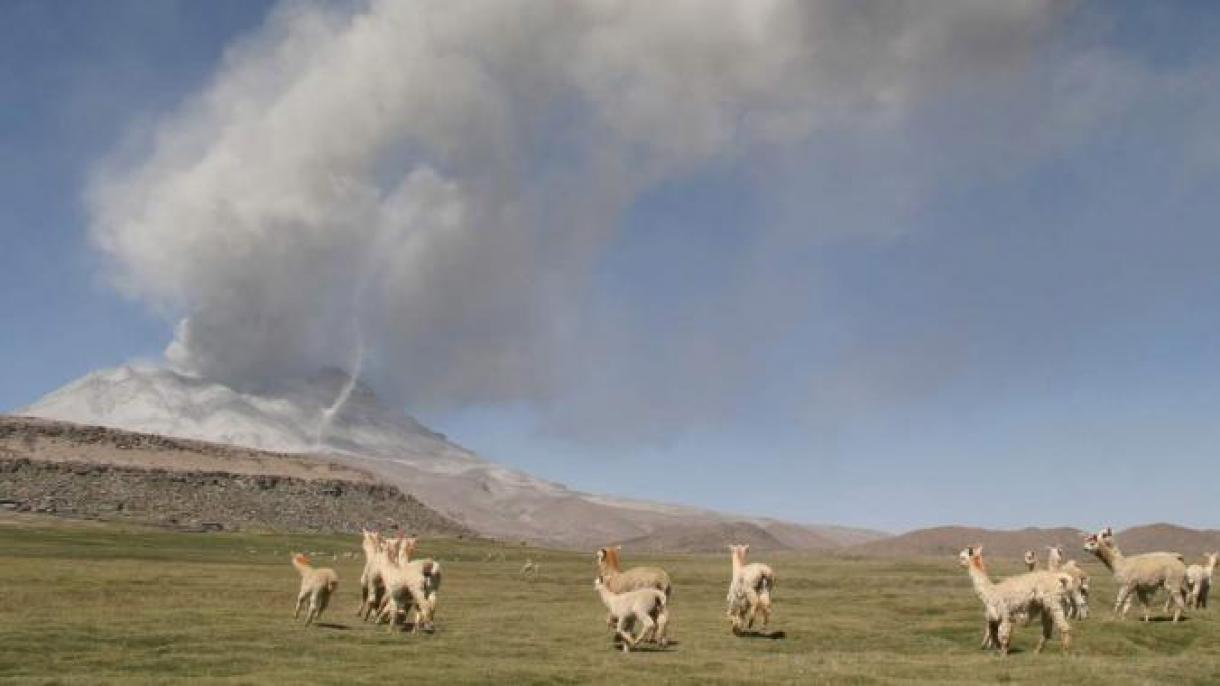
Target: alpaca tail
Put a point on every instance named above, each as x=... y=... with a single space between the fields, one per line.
x=301 y=562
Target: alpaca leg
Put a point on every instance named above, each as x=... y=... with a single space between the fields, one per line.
x=1065 y=629
x=1178 y=595
x=392 y=606
x=989 y=635
x=1004 y=635
x=620 y=630
x=764 y=607
x=1122 y=601
x=648 y=630
x=1143 y=596
x=752 y=607
x=662 y=625
x=323 y=601
x=1048 y=627
x=300 y=604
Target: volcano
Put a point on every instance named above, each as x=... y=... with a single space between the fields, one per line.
x=308 y=418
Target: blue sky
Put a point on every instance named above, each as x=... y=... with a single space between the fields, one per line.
x=995 y=308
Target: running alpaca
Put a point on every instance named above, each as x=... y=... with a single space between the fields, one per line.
x=1031 y=560
x=1029 y=595
x=1142 y=575
x=316 y=586
x=749 y=590
x=383 y=553
x=372 y=588
x=411 y=583
x=1078 y=595
x=618 y=581
x=644 y=606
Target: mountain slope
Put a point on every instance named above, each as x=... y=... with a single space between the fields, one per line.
x=949 y=540
x=344 y=422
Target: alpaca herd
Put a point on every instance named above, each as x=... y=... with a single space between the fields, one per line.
x=393 y=587
x=1061 y=591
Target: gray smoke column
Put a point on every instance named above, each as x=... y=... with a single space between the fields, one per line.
x=456 y=167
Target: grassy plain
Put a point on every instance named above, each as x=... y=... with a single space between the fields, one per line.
x=96 y=603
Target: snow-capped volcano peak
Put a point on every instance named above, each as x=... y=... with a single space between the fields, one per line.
x=304 y=416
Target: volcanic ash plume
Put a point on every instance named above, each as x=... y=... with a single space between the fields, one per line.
x=455 y=169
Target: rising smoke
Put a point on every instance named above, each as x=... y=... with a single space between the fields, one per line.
x=426 y=186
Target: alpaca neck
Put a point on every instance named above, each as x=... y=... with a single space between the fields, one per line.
x=738 y=564
x=607 y=596
x=1111 y=557
x=978 y=575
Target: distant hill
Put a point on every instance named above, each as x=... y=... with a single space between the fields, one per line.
x=1169 y=538
x=707 y=538
x=949 y=540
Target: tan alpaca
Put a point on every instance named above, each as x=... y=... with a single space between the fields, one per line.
x=1033 y=594
x=317 y=585
x=409 y=584
x=1141 y=575
x=643 y=606
x=618 y=581
x=749 y=590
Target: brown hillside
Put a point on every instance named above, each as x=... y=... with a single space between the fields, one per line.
x=709 y=538
x=1169 y=538
x=949 y=540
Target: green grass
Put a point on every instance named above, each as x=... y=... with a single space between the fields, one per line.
x=88 y=603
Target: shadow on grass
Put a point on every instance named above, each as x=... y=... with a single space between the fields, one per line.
x=772 y=635
x=334 y=627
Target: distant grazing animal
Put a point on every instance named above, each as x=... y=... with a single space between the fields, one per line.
x=749 y=590
x=529 y=569
x=1033 y=594
x=1031 y=560
x=1142 y=575
x=644 y=606
x=317 y=585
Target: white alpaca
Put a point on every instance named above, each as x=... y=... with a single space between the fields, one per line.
x=1078 y=594
x=372 y=588
x=749 y=590
x=1142 y=575
x=1031 y=560
x=1033 y=594
x=1199 y=581
x=410 y=584
x=643 y=606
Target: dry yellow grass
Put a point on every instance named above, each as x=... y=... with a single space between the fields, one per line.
x=108 y=603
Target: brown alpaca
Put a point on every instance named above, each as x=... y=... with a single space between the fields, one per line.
x=316 y=586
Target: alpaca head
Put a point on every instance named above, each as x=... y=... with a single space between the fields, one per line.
x=971 y=555
x=1031 y=558
x=1099 y=540
x=609 y=557
x=738 y=552
x=300 y=558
